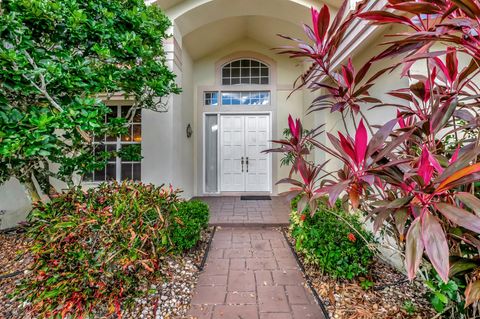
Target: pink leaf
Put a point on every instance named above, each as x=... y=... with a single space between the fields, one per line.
x=383 y=17
x=442 y=67
x=303 y=170
x=454 y=156
x=425 y=169
x=350 y=66
x=436 y=245
x=401 y=121
x=452 y=64
x=293 y=127
x=299 y=128
x=322 y=23
x=360 y=143
x=459 y=216
x=435 y=163
x=314 y=13
x=470 y=200
x=346 y=146
x=472 y=293
x=428 y=84
x=413 y=248
x=347 y=76
x=334 y=191
x=302 y=204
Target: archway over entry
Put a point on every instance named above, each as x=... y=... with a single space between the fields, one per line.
x=204 y=34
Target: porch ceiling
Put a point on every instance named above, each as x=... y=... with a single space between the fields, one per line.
x=169 y=4
x=208 y=39
x=226 y=21
x=191 y=15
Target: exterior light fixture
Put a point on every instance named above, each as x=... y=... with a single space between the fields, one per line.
x=189 y=130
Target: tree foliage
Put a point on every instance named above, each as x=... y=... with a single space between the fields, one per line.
x=59 y=61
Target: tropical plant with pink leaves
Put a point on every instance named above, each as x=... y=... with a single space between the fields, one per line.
x=414 y=175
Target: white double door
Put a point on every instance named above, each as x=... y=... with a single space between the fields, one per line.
x=243 y=166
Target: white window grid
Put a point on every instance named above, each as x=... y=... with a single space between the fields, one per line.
x=232 y=98
x=211 y=98
x=245 y=97
x=116 y=169
x=245 y=71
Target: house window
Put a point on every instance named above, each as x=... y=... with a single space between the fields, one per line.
x=210 y=98
x=245 y=71
x=125 y=160
x=246 y=98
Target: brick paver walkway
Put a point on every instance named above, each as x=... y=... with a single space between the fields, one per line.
x=252 y=274
x=232 y=211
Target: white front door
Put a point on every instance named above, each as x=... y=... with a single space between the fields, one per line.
x=243 y=166
x=232 y=153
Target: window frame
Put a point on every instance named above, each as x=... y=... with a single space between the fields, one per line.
x=267 y=89
x=241 y=68
x=266 y=96
x=118 y=143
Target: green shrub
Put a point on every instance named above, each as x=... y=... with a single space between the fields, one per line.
x=94 y=249
x=447 y=297
x=187 y=223
x=330 y=243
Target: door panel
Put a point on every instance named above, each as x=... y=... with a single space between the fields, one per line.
x=244 y=136
x=231 y=152
x=257 y=136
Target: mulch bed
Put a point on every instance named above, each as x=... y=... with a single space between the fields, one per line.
x=168 y=298
x=389 y=297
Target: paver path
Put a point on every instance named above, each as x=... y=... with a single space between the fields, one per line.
x=232 y=211
x=251 y=273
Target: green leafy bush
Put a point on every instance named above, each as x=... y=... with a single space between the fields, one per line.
x=94 y=249
x=330 y=243
x=189 y=219
x=131 y=152
x=289 y=158
x=447 y=297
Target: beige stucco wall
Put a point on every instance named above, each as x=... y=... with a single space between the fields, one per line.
x=168 y=155
x=183 y=146
x=14 y=204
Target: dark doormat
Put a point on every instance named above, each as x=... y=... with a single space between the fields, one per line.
x=250 y=197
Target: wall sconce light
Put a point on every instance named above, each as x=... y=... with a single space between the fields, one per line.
x=189 y=131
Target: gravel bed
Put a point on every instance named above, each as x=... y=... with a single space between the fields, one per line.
x=12 y=260
x=387 y=298
x=169 y=297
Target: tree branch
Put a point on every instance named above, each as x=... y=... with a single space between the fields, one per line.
x=43 y=87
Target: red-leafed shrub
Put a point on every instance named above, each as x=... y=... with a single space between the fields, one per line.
x=94 y=249
x=415 y=175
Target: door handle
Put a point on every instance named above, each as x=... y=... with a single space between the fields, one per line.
x=247 y=164
x=242 y=164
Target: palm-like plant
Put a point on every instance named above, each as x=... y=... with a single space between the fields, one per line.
x=405 y=177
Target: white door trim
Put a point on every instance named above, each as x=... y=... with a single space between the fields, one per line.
x=219 y=182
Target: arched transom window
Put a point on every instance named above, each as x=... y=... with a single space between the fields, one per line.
x=245 y=71
x=244 y=82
